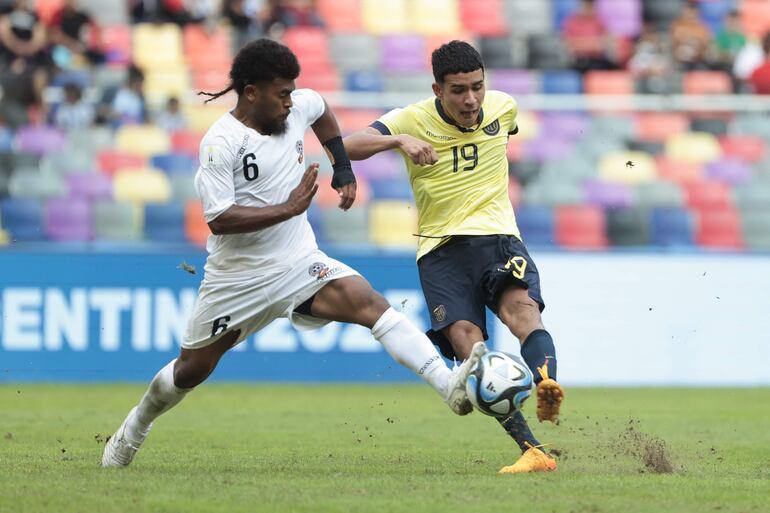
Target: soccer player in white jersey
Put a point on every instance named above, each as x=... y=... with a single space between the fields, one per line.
x=263 y=260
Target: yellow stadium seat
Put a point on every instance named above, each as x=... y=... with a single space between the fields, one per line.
x=393 y=223
x=698 y=147
x=157 y=46
x=144 y=140
x=385 y=17
x=630 y=167
x=201 y=117
x=4 y=238
x=141 y=186
x=529 y=126
x=161 y=84
x=431 y=17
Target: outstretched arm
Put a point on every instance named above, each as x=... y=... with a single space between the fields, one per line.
x=343 y=181
x=363 y=144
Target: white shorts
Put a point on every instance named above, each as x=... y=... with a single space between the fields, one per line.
x=225 y=304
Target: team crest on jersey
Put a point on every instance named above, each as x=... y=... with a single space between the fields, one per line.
x=316 y=268
x=300 y=147
x=493 y=128
x=439 y=313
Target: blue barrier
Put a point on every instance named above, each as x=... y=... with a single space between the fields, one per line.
x=89 y=317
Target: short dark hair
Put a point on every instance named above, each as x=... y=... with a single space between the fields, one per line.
x=262 y=60
x=455 y=57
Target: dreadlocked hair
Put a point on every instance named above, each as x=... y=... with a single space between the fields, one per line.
x=262 y=60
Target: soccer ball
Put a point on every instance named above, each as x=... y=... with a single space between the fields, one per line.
x=499 y=384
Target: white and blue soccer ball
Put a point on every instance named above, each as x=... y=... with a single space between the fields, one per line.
x=499 y=384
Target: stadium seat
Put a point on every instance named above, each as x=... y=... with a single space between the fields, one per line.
x=68 y=220
x=679 y=172
x=415 y=83
x=753 y=195
x=117 y=44
x=755 y=226
x=581 y=227
x=169 y=81
x=402 y=53
x=572 y=168
x=116 y=221
x=351 y=227
x=483 y=17
x=661 y=13
x=381 y=166
x=659 y=126
x=164 y=222
x=355 y=51
x=315 y=219
x=175 y=163
x=90 y=140
x=613 y=126
x=182 y=188
x=695 y=147
x=755 y=17
x=311 y=46
x=751 y=124
x=434 y=16
x=543 y=148
x=716 y=126
x=211 y=79
x=608 y=194
x=707 y=82
x=141 y=186
x=364 y=81
x=546 y=52
x=22 y=219
x=630 y=167
x=157 y=46
x=497 y=52
x=341 y=15
x=622 y=18
x=719 y=228
x=529 y=17
x=186 y=142
x=143 y=140
x=714 y=12
x=351 y=120
x=327 y=197
x=536 y=225
x=561 y=82
x=391 y=189
x=628 y=226
x=39 y=139
x=109 y=161
x=567 y=125
x=529 y=128
x=750 y=148
x=393 y=223
x=672 y=227
x=609 y=83
x=514 y=81
x=324 y=81
x=34 y=183
x=385 y=17
x=89 y=186
x=553 y=194
x=731 y=171
x=68 y=161
x=201 y=117
x=708 y=195
x=648 y=147
x=206 y=49
x=196 y=230
x=659 y=194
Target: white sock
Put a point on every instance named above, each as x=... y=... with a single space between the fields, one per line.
x=412 y=349
x=161 y=396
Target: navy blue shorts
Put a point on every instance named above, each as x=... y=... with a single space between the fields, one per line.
x=468 y=273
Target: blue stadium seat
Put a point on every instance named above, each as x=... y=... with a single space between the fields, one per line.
x=714 y=12
x=562 y=9
x=364 y=81
x=561 y=82
x=394 y=189
x=164 y=222
x=672 y=227
x=316 y=221
x=175 y=163
x=536 y=225
x=22 y=219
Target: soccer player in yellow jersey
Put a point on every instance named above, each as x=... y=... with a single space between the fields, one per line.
x=470 y=253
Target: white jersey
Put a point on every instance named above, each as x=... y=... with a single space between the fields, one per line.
x=239 y=166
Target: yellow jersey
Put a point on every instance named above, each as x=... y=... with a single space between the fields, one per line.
x=466 y=191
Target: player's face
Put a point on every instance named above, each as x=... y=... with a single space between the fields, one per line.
x=461 y=95
x=272 y=105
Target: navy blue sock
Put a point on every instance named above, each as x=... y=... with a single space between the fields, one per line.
x=517 y=427
x=536 y=349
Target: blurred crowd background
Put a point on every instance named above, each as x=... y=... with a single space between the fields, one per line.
x=100 y=121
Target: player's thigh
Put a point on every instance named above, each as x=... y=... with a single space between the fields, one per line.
x=462 y=335
x=350 y=299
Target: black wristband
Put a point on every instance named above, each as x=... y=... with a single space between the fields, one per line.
x=343 y=171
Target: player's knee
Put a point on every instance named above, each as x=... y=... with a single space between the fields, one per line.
x=523 y=320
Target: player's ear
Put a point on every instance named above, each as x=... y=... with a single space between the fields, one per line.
x=251 y=92
x=438 y=91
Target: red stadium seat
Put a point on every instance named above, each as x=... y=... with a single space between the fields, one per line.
x=326 y=80
x=658 y=126
x=351 y=120
x=514 y=192
x=707 y=82
x=205 y=50
x=719 y=228
x=679 y=172
x=327 y=197
x=311 y=46
x=708 y=195
x=117 y=44
x=581 y=226
x=186 y=142
x=110 y=161
x=750 y=148
x=483 y=17
x=196 y=230
x=608 y=82
x=514 y=150
x=47 y=8
x=755 y=17
x=341 y=15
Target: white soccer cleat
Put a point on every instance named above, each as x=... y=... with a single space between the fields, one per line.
x=457 y=398
x=119 y=450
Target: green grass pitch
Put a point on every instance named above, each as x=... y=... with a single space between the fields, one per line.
x=396 y=448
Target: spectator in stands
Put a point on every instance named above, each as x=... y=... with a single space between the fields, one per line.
x=651 y=63
x=759 y=81
x=691 y=41
x=158 y=11
x=74 y=29
x=282 y=14
x=749 y=58
x=73 y=113
x=730 y=40
x=125 y=104
x=242 y=17
x=23 y=62
x=587 y=39
x=171 y=118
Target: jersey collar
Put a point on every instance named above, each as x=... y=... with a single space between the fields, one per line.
x=450 y=121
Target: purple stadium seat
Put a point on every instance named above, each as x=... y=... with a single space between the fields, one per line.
x=566 y=125
x=621 y=17
x=90 y=186
x=381 y=165
x=608 y=194
x=515 y=81
x=547 y=147
x=39 y=139
x=68 y=220
x=730 y=171
x=403 y=53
